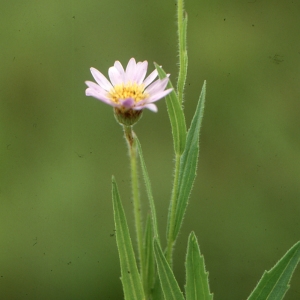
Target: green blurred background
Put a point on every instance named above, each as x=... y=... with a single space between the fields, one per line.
x=59 y=148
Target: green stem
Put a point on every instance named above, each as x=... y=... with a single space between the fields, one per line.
x=180 y=86
x=181 y=46
x=173 y=211
x=180 y=22
x=129 y=135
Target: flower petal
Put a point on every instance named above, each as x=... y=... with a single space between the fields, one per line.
x=92 y=92
x=157 y=86
x=150 y=78
x=101 y=79
x=159 y=95
x=93 y=85
x=119 y=67
x=127 y=103
x=150 y=106
x=140 y=72
x=98 y=89
x=115 y=76
x=130 y=70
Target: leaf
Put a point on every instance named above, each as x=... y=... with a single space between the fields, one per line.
x=197 y=287
x=157 y=292
x=274 y=283
x=188 y=163
x=149 y=260
x=148 y=188
x=168 y=282
x=132 y=285
x=176 y=115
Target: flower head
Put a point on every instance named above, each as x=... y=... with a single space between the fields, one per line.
x=128 y=91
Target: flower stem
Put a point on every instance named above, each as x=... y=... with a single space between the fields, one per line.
x=129 y=136
x=172 y=212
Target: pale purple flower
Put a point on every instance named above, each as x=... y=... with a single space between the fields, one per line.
x=128 y=89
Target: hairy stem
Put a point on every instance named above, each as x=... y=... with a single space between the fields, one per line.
x=181 y=50
x=129 y=136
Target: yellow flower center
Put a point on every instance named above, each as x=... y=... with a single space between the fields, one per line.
x=128 y=90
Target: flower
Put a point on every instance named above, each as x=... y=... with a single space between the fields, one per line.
x=128 y=91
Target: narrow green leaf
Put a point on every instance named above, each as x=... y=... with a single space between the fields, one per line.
x=157 y=292
x=197 y=287
x=188 y=163
x=148 y=188
x=274 y=283
x=176 y=115
x=168 y=282
x=132 y=285
x=149 y=259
